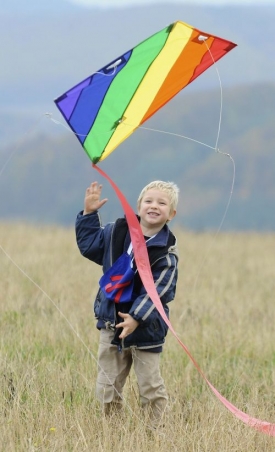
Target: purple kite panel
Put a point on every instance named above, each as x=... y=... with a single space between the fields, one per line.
x=80 y=105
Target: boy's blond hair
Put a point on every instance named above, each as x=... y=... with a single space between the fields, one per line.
x=170 y=188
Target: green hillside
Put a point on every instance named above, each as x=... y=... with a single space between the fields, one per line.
x=46 y=178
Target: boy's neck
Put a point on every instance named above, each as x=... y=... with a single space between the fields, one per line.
x=149 y=232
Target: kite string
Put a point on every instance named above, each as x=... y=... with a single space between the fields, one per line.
x=221 y=95
x=202 y=264
x=47 y=296
x=57 y=122
x=17 y=147
x=204 y=259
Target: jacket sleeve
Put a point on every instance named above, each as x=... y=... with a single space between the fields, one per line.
x=90 y=236
x=165 y=274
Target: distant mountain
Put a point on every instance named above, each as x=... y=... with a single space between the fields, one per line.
x=45 y=175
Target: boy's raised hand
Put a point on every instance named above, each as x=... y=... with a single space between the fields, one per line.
x=92 y=201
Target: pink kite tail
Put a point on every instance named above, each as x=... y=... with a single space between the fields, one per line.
x=144 y=269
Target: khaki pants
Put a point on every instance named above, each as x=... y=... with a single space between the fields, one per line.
x=113 y=369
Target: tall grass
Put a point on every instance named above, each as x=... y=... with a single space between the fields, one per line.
x=224 y=312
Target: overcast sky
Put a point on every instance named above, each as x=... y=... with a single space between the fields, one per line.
x=106 y=3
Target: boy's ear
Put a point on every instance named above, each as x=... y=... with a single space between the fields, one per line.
x=172 y=214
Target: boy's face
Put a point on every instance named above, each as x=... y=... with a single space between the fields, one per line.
x=155 y=209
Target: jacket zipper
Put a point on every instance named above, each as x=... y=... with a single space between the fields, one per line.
x=111 y=263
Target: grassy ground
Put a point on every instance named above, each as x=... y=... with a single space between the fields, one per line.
x=224 y=312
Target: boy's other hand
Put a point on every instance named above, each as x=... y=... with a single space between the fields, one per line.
x=129 y=325
x=92 y=201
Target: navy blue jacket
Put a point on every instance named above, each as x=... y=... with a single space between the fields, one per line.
x=103 y=245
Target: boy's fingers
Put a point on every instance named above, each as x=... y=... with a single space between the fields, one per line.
x=103 y=202
x=122 y=314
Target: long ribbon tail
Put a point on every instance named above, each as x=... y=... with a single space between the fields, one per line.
x=144 y=269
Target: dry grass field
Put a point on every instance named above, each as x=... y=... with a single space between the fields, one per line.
x=224 y=312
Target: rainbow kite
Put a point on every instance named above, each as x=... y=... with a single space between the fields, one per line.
x=105 y=108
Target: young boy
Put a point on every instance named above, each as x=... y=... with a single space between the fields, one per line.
x=131 y=329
